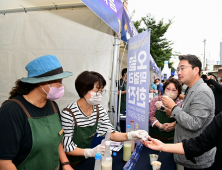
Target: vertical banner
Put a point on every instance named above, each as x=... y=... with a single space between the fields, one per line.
x=110 y=11
x=128 y=28
x=138 y=76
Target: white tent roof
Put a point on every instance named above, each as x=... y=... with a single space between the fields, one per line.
x=7 y=5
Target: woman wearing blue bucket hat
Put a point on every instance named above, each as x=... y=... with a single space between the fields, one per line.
x=31 y=131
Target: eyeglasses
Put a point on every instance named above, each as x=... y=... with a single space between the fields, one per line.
x=174 y=90
x=182 y=68
x=102 y=92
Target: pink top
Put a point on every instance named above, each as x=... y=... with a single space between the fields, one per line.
x=152 y=109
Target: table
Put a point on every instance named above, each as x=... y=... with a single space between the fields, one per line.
x=142 y=164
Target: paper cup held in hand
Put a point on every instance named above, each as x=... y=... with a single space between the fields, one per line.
x=156 y=165
x=153 y=157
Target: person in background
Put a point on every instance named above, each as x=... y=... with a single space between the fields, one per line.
x=163 y=81
x=161 y=126
x=220 y=81
x=211 y=137
x=31 y=130
x=84 y=118
x=122 y=86
x=154 y=86
x=217 y=90
x=160 y=88
x=196 y=112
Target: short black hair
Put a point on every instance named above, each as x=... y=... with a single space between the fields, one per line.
x=175 y=82
x=158 y=79
x=214 y=76
x=86 y=80
x=193 y=61
x=221 y=80
x=124 y=71
x=162 y=81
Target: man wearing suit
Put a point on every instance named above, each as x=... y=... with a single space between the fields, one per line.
x=196 y=112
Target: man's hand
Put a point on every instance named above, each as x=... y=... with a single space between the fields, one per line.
x=67 y=167
x=153 y=144
x=168 y=102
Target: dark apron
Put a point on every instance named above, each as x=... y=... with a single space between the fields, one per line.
x=46 y=138
x=82 y=137
x=165 y=137
x=123 y=100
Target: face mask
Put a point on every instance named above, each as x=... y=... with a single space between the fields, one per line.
x=94 y=100
x=54 y=93
x=157 y=83
x=171 y=94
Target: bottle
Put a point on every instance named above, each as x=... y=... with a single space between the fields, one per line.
x=107 y=137
x=127 y=147
x=97 y=161
x=107 y=160
x=166 y=72
x=132 y=129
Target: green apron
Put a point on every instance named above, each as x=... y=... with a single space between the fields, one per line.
x=123 y=100
x=46 y=138
x=165 y=137
x=82 y=137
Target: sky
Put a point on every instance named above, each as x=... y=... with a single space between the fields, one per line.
x=193 y=21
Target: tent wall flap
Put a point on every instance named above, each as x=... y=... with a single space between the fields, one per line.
x=79 y=39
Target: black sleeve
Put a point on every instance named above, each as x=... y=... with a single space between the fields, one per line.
x=205 y=141
x=216 y=85
x=11 y=125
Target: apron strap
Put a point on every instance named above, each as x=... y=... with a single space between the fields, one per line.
x=71 y=114
x=53 y=106
x=22 y=106
x=97 y=117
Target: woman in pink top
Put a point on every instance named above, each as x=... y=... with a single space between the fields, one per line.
x=161 y=126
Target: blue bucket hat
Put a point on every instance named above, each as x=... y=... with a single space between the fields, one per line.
x=43 y=69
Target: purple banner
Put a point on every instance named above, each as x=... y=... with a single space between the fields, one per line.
x=128 y=28
x=138 y=75
x=110 y=11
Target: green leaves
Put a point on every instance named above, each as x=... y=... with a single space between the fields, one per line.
x=160 y=47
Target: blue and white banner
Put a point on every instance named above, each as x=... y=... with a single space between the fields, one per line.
x=153 y=65
x=138 y=75
x=128 y=28
x=110 y=11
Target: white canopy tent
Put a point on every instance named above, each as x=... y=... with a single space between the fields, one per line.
x=80 y=40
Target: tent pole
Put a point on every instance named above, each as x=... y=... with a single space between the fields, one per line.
x=114 y=92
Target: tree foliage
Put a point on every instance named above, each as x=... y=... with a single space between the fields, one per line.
x=160 y=47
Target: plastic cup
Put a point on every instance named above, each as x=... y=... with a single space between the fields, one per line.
x=153 y=157
x=156 y=165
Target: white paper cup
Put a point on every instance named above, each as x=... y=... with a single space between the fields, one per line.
x=153 y=157
x=156 y=165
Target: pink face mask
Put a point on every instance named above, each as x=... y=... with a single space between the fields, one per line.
x=54 y=93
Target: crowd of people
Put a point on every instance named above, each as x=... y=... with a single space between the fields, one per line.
x=36 y=135
x=197 y=119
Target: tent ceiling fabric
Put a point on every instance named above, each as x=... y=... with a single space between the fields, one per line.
x=15 y=4
x=80 y=40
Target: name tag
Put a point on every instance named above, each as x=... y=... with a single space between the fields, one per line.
x=61 y=131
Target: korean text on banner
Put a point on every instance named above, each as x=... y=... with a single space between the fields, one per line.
x=110 y=11
x=138 y=72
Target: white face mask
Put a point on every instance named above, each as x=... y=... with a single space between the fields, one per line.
x=171 y=94
x=94 y=100
x=157 y=83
